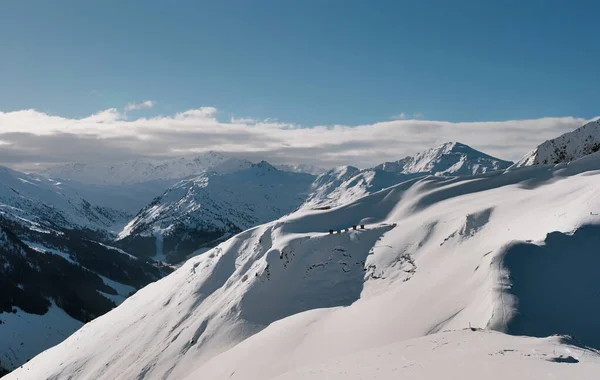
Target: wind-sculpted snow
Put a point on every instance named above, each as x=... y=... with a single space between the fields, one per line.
x=290 y=299
x=554 y=286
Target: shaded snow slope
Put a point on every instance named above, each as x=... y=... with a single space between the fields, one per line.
x=567 y=147
x=555 y=289
x=345 y=184
x=24 y=335
x=436 y=254
x=143 y=170
x=204 y=208
x=43 y=299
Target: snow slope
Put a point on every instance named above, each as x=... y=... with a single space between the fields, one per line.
x=289 y=299
x=567 y=147
x=143 y=170
x=25 y=335
x=345 y=184
x=464 y=354
x=202 y=209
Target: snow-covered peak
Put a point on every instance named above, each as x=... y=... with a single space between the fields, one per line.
x=344 y=184
x=144 y=170
x=567 y=147
x=451 y=158
x=202 y=209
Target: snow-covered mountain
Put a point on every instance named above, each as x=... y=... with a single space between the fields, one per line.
x=203 y=209
x=54 y=261
x=344 y=184
x=451 y=158
x=144 y=170
x=46 y=203
x=439 y=258
x=567 y=147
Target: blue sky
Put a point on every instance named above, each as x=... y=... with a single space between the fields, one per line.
x=325 y=82
x=307 y=62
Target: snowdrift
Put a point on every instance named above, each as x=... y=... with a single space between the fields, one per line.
x=511 y=252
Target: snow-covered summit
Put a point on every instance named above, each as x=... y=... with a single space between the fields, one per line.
x=346 y=183
x=143 y=170
x=567 y=147
x=202 y=209
x=451 y=158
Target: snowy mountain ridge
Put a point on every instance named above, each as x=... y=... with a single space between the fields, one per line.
x=40 y=202
x=451 y=158
x=204 y=208
x=567 y=147
x=437 y=254
x=347 y=183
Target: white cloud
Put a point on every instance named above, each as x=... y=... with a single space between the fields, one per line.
x=418 y=115
x=95 y=93
x=30 y=136
x=140 y=106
